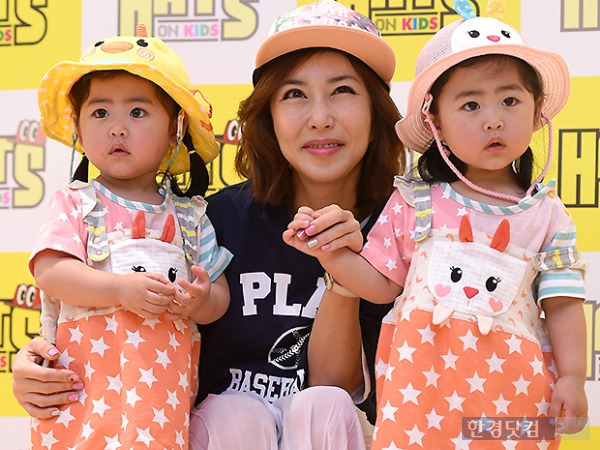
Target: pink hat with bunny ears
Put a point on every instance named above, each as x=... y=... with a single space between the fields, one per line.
x=464 y=39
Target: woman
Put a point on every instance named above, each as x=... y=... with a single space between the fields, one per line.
x=318 y=130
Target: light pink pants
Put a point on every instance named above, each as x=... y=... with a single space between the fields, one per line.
x=318 y=418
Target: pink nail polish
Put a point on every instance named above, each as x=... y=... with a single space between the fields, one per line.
x=325 y=247
x=78 y=386
x=300 y=234
x=53 y=351
x=309 y=230
x=73 y=397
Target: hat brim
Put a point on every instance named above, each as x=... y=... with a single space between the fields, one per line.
x=552 y=69
x=372 y=50
x=56 y=109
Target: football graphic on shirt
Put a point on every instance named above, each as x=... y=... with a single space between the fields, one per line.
x=286 y=351
x=474 y=278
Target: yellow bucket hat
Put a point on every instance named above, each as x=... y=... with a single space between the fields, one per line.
x=146 y=57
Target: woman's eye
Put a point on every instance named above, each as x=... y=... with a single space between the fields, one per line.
x=293 y=93
x=344 y=89
x=137 y=113
x=100 y=113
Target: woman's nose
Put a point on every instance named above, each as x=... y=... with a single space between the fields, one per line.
x=321 y=116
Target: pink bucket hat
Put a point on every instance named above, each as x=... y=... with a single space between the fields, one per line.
x=466 y=39
x=329 y=24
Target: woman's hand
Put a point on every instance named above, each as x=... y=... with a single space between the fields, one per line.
x=327 y=229
x=41 y=390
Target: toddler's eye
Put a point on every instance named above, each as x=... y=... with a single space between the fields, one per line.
x=137 y=113
x=100 y=113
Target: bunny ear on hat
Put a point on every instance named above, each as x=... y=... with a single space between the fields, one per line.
x=147 y=57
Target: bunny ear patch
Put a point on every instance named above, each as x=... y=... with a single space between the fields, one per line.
x=464 y=9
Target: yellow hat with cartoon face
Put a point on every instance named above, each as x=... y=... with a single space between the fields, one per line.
x=146 y=57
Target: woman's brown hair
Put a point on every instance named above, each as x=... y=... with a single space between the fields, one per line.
x=259 y=157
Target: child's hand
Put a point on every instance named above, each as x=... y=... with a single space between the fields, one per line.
x=186 y=303
x=328 y=229
x=569 y=405
x=146 y=294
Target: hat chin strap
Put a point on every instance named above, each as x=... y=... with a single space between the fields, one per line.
x=436 y=136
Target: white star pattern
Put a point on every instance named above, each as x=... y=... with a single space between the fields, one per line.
x=450 y=360
x=112 y=442
x=510 y=445
x=406 y=352
x=434 y=419
x=426 y=334
x=159 y=417
x=521 y=385
x=89 y=370
x=387 y=242
x=183 y=380
x=410 y=394
x=172 y=399
x=391 y=264
x=542 y=407
x=162 y=358
x=397 y=208
x=501 y=405
x=98 y=346
x=114 y=383
x=537 y=366
x=87 y=430
x=392 y=446
x=179 y=438
x=495 y=363
x=382 y=219
x=64 y=359
x=147 y=376
x=134 y=338
x=100 y=407
x=380 y=368
x=455 y=401
x=469 y=341
x=432 y=377
x=65 y=417
x=150 y=323
x=460 y=443
x=132 y=397
x=144 y=436
x=514 y=344
x=173 y=341
x=415 y=436
x=111 y=324
x=76 y=335
x=48 y=439
x=388 y=373
x=388 y=412
x=476 y=383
